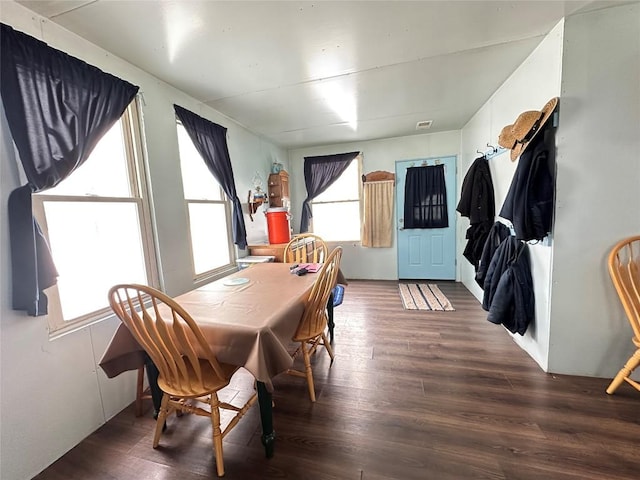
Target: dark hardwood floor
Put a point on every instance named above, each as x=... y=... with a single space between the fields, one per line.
x=411 y=395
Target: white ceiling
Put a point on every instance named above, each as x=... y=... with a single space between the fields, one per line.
x=313 y=73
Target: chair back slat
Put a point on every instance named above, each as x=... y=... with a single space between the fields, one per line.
x=167 y=333
x=138 y=323
x=314 y=318
x=187 y=349
x=305 y=248
x=624 y=269
x=173 y=357
x=160 y=339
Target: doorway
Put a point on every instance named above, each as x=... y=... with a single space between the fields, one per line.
x=427 y=253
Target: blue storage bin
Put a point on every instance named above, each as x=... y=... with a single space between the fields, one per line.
x=338 y=293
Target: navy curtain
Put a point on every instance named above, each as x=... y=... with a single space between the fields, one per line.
x=425 y=198
x=210 y=140
x=57 y=108
x=319 y=173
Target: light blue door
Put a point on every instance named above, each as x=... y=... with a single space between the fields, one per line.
x=427 y=254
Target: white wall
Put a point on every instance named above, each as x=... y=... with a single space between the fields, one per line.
x=528 y=88
x=359 y=262
x=592 y=61
x=52 y=394
x=598 y=188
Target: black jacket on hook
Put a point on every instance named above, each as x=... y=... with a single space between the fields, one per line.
x=499 y=231
x=508 y=287
x=477 y=202
x=529 y=202
x=513 y=304
x=500 y=261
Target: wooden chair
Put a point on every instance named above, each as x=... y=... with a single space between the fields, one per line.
x=310 y=248
x=624 y=269
x=189 y=373
x=305 y=248
x=311 y=329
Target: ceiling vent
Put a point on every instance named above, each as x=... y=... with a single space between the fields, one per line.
x=423 y=125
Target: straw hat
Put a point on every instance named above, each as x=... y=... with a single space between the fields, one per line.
x=517 y=136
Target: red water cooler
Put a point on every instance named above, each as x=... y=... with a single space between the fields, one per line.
x=278 y=225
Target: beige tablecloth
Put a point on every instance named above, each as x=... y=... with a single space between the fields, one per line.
x=249 y=325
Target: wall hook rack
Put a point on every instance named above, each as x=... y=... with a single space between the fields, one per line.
x=493 y=152
x=496 y=151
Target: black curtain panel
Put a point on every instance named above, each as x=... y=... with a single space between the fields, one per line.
x=319 y=173
x=57 y=108
x=210 y=140
x=425 y=198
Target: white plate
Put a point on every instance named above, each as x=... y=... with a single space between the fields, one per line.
x=235 y=281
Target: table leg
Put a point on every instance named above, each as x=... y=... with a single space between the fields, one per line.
x=152 y=377
x=330 y=317
x=266 y=417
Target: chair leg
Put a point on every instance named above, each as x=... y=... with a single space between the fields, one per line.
x=625 y=372
x=162 y=416
x=327 y=345
x=161 y=421
x=217 y=433
x=309 y=373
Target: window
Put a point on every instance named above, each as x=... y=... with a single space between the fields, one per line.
x=336 y=212
x=208 y=210
x=97 y=224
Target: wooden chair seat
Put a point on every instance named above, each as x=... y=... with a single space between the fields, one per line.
x=206 y=382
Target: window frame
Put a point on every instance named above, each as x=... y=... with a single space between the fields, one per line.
x=359 y=160
x=208 y=275
x=223 y=269
x=132 y=134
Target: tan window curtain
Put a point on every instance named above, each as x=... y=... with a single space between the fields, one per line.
x=378 y=214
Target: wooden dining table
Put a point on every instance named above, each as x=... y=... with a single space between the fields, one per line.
x=248 y=319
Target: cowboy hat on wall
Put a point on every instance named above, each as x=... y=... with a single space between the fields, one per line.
x=517 y=136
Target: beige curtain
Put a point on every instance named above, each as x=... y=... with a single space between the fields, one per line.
x=378 y=214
